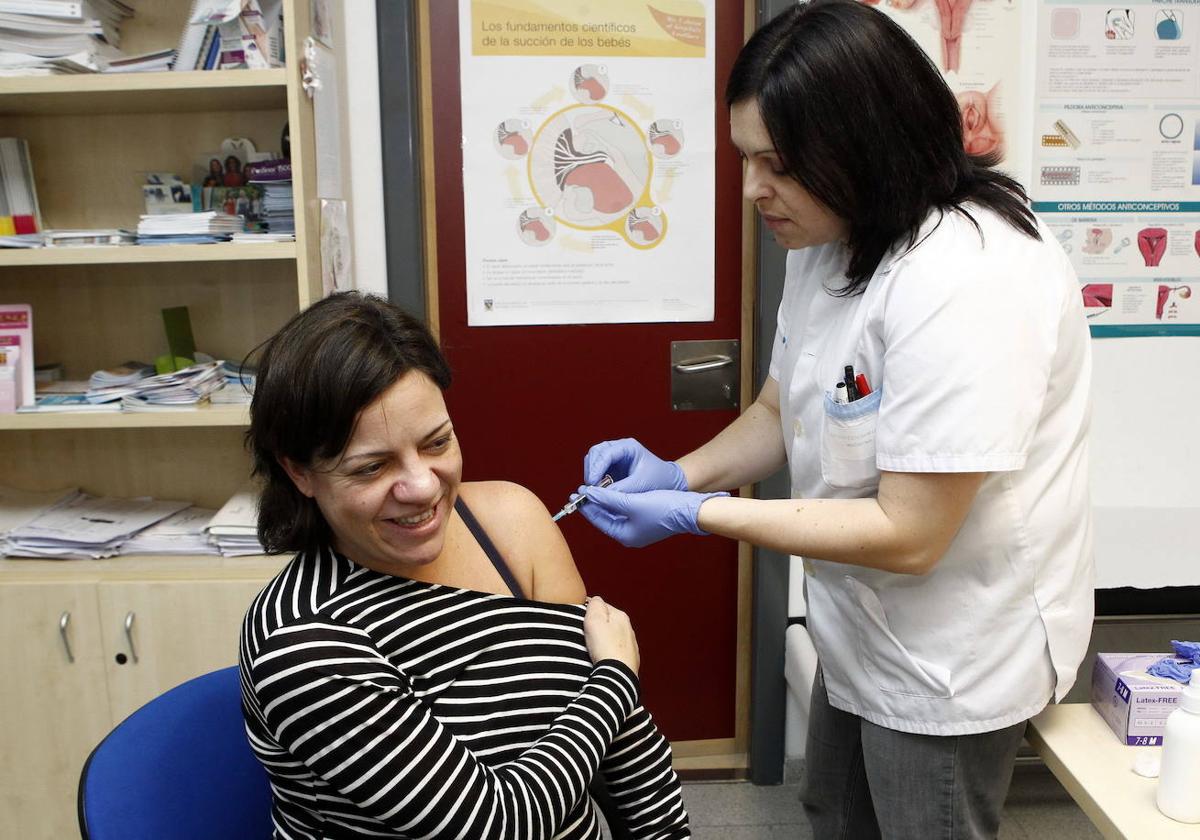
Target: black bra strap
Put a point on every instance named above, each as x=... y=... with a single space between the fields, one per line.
x=489 y=548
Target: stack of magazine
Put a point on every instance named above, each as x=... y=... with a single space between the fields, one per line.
x=183 y=389
x=188 y=228
x=43 y=37
x=19 y=211
x=275 y=178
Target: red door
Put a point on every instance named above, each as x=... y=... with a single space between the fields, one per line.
x=527 y=403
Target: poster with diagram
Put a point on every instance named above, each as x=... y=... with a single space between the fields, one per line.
x=1117 y=158
x=588 y=161
x=977 y=44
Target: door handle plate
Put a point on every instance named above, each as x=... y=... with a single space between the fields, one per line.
x=705 y=375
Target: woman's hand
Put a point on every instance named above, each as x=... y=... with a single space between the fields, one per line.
x=634 y=468
x=609 y=635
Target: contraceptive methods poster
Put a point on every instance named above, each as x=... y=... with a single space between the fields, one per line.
x=588 y=160
x=1117 y=158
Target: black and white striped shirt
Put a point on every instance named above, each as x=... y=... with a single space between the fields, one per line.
x=387 y=707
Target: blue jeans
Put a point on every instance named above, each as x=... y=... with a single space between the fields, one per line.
x=863 y=781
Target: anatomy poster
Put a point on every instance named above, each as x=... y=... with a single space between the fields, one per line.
x=1117 y=158
x=588 y=160
x=979 y=48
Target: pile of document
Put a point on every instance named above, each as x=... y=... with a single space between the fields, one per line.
x=42 y=37
x=80 y=526
x=70 y=525
x=188 y=228
x=180 y=533
x=182 y=389
x=235 y=527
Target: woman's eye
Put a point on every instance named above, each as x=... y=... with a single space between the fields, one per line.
x=440 y=444
x=369 y=469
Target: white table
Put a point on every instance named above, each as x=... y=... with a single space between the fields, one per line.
x=1097 y=770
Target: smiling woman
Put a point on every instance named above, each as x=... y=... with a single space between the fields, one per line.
x=419 y=611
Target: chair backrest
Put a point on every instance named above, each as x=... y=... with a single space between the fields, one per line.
x=179 y=767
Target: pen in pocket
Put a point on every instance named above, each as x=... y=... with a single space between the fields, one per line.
x=851 y=388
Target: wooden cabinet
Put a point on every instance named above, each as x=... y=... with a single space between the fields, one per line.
x=73 y=671
x=92 y=139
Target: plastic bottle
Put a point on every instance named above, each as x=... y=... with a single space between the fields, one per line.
x=1179 y=779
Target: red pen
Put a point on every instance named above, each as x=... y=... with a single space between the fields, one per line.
x=860 y=382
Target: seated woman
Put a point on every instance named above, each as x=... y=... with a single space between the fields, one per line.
x=425 y=666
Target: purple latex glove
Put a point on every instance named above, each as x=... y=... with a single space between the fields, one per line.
x=639 y=519
x=1187 y=650
x=634 y=468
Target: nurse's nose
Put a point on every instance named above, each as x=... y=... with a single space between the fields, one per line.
x=754 y=188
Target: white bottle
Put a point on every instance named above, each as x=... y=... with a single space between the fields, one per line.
x=1179 y=779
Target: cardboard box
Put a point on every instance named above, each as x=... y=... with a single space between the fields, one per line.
x=1134 y=703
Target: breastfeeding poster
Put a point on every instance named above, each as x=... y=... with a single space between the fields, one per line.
x=1117 y=158
x=588 y=160
x=977 y=44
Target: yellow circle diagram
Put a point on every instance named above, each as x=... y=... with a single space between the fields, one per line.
x=591 y=166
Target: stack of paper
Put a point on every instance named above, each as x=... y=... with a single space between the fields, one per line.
x=235 y=527
x=83 y=526
x=181 y=533
x=89 y=238
x=277 y=207
x=40 y=37
x=19 y=507
x=182 y=389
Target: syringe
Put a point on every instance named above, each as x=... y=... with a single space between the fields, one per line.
x=573 y=505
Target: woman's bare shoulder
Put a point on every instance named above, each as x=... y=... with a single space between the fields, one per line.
x=529 y=541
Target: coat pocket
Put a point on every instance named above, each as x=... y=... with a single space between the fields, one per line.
x=885 y=657
x=848 y=442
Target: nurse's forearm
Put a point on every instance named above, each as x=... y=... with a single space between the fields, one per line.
x=906 y=529
x=746 y=451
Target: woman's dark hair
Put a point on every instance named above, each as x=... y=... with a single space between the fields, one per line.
x=315 y=375
x=863 y=120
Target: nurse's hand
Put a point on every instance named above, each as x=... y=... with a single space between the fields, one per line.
x=634 y=468
x=639 y=519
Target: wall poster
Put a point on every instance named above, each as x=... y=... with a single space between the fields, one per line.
x=1117 y=158
x=588 y=160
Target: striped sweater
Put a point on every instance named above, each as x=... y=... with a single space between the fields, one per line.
x=387 y=707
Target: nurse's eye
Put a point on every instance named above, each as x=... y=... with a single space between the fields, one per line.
x=440 y=444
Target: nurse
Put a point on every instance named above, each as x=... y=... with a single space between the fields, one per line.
x=943 y=517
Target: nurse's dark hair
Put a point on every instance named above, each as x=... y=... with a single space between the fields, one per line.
x=863 y=120
x=314 y=376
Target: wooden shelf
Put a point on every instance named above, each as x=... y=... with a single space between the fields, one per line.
x=115 y=254
x=209 y=415
x=145 y=567
x=139 y=93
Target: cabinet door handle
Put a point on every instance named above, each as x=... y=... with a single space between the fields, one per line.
x=63 y=621
x=129 y=636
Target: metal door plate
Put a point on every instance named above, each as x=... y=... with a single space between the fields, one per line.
x=705 y=375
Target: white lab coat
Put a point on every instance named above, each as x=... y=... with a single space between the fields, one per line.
x=980 y=361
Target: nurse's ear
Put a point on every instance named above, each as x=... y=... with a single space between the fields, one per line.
x=300 y=475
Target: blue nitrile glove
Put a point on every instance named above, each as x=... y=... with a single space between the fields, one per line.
x=639 y=519
x=1172 y=669
x=633 y=467
x=1187 y=650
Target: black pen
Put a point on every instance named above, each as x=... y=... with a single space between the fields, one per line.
x=851 y=389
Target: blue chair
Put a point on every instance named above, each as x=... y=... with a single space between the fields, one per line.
x=179 y=767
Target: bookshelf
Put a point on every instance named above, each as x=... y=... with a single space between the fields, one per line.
x=91 y=139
